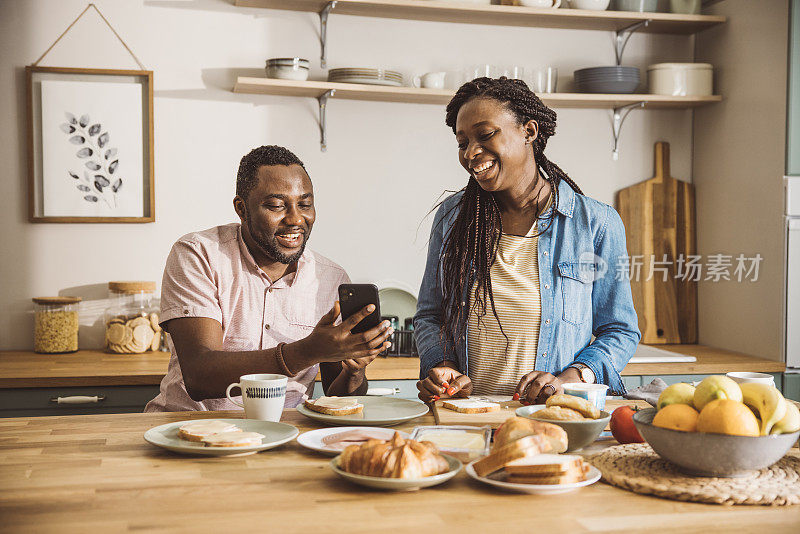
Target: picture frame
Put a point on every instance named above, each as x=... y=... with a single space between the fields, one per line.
x=90 y=145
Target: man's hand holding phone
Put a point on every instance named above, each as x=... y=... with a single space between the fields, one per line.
x=329 y=342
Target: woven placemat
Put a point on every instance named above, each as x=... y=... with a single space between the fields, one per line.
x=637 y=468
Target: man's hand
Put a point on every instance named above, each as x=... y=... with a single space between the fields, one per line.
x=329 y=342
x=444 y=382
x=354 y=365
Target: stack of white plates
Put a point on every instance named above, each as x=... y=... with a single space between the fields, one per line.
x=366 y=75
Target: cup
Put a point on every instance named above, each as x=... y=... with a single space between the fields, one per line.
x=758 y=378
x=543 y=79
x=516 y=73
x=540 y=3
x=594 y=393
x=594 y=5
x=263 y=395
x=430 y=80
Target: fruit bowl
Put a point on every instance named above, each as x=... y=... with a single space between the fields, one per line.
x=579 y=433
x=715 y=455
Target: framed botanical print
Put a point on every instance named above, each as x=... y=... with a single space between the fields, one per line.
x=90 y=145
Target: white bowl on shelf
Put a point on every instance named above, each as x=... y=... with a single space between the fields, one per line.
x=591 y=5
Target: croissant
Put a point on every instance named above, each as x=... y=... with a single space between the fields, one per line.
x=396 y=458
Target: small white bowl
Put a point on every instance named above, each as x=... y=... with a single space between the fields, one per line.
x=281 y=72
x=592 y=5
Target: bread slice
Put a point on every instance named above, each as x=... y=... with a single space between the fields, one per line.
x=515 y=428
x=469 y=405
x=233 y=439
x=521 y=448
x=201 y=428
x=566 y=478
x=335 y=405
x=545 y=465
x=580 y=405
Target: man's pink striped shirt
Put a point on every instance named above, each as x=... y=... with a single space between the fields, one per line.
x=212 y=274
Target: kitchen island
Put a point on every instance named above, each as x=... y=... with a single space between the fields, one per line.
x=95 y=473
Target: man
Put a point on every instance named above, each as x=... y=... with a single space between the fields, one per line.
x=245 y=298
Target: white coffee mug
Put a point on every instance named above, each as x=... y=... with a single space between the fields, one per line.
x=540 y=3
x=744 y=377
x=594 y=393
x=431 y=80
x=263 y=395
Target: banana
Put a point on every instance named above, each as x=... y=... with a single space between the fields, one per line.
x=766 y=401
x=790 y=422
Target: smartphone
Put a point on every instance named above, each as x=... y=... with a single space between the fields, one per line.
x=353 y=297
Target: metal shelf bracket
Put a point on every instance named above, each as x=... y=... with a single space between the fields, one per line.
x=323 y=32
x=323 y=104
x=620 y=114
x=623 y=35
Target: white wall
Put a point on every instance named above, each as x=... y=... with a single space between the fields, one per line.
x=740 y=150
x=386 y=163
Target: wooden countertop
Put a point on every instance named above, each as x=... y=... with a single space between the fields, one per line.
x=22 y=369
x=96 y=473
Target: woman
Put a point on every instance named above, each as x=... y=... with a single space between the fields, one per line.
x=522 y=267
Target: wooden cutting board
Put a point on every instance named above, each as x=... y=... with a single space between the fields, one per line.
x=443 y=416
x=659 y=217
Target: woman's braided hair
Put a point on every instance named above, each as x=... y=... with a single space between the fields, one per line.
x=470 y=247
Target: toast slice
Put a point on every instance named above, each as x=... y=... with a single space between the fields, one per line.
x=525 y=447
x=233 y=439
x=334 y=405
x=201 y=428
x=566 y=478
x=545 y=465
x=470 y=406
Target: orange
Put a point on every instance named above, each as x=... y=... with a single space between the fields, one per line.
x=677 y=417
x=726 y=416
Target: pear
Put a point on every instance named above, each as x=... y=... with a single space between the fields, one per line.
x=680 y=393
x=766 y=401
x=790 y=422
x=713 y=388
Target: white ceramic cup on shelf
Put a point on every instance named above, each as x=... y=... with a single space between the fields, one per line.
x=430 y=80
x=263 y=395
x=758 y=378
x=540 y=3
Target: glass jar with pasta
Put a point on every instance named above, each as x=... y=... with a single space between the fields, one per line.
x=132 y=321
x=55 y=324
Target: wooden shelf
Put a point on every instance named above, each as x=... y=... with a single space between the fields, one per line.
x=575 y=19
x=412 y=95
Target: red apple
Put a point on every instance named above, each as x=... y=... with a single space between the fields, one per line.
x=622 y=427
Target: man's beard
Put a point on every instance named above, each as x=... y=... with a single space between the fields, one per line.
x=270 y=246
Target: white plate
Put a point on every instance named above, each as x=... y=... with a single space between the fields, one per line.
x=166 y=437
x=367 y=81
x=313 y=438
x=400 y=484
x=378 y=411
x=535 y=489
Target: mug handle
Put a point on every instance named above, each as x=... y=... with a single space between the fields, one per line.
x=417 y=81
x=228 y=394
x=556 y=4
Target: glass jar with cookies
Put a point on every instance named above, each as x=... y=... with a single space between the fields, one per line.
x=132 y=319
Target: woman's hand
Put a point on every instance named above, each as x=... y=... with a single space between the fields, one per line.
x=537 y=386
x=444 y=382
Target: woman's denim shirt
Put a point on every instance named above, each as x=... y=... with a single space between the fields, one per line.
x=584 y=286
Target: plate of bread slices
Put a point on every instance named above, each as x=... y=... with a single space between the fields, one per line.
x=525 y=457
x=220 y=437
x=362 y=410
x=396 y=464
x=333 y=441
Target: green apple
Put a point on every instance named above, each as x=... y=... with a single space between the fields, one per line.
x=680 y=393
